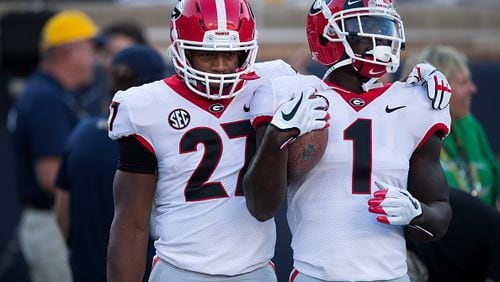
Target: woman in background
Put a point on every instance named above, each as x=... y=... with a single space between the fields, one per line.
x=470 y=250
x=467 y=157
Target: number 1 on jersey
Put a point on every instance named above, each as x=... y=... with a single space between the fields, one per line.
x=360 y=133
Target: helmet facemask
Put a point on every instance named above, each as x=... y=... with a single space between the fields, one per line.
x=212 y=85
x=340 y=26
x=213 y=26
x=382 y=26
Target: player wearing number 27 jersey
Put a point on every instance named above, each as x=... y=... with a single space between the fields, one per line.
x=371 y=138
x=185 y=143
x=202 y=147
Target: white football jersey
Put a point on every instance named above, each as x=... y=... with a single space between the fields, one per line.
x=203 y=148
x=372 y=137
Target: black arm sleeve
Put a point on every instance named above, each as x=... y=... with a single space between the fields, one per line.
x=134 y=157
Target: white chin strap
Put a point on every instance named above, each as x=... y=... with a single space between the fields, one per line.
x=373 y=83
x=336 y=66
x=367 y=86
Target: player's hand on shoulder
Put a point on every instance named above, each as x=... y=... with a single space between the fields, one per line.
x=305 y=111
x=438 y=88
x=394 y=205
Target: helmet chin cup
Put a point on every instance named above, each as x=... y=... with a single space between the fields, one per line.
x=377 y=62
x=381 y=53
x=366 y=67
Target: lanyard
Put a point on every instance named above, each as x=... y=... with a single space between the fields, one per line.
x=462 y=169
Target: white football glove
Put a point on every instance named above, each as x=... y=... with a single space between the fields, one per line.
x=395 y=205
x=438 y=88
x=302 y=112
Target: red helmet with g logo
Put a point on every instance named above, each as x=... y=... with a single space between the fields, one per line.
x=213 y=25
x=332 y=24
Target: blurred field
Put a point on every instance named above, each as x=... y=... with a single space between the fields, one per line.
x=473 y=28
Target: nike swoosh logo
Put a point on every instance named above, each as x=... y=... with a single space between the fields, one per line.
x=372 y=72
x=415 y=205
x=413 y=201
x=290 y=115
x=390 y=110
x=352 y=2
x=246 y=108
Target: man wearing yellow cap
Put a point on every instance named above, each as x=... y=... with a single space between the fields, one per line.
x=44 y=116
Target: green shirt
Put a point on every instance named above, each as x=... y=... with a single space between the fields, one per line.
x=469 y=162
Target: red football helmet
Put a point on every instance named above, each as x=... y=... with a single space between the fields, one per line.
x=332 y=24
x=213 y=25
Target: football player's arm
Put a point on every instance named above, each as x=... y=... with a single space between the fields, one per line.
x=133 y=190
x=427 y=183
x=265 y=181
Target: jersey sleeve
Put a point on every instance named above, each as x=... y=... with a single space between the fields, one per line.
x=428 y=121
x=263 y=104
x=272 y=69
x=271 y=94
x=120 y=120
x=132 y=115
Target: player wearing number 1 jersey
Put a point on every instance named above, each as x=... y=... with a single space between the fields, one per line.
x=380 y=172
x=185 y=143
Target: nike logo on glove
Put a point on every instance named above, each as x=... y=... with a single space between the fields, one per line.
x=390 y=110
x=415 y=204
x=290 y=115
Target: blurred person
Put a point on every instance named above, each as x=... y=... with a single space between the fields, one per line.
x=184 y=144
x=470 y=251
x=380 y=173
x=84 y=200
x=120 y=35
x=467 y=157
x=112 y=39
x=43 y=118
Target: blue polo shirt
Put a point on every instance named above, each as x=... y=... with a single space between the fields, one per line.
x=87 y=172
x=43 y=121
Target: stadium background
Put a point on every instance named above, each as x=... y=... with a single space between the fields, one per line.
x=472 y=26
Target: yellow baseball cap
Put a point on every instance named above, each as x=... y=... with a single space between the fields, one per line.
x=66 y=27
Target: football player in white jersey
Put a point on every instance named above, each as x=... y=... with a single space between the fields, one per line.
x=185 y=143
x=380 y=174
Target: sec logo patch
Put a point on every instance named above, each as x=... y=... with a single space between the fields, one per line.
x=179 y=119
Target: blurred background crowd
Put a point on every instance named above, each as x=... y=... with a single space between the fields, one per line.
x=470 y=27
